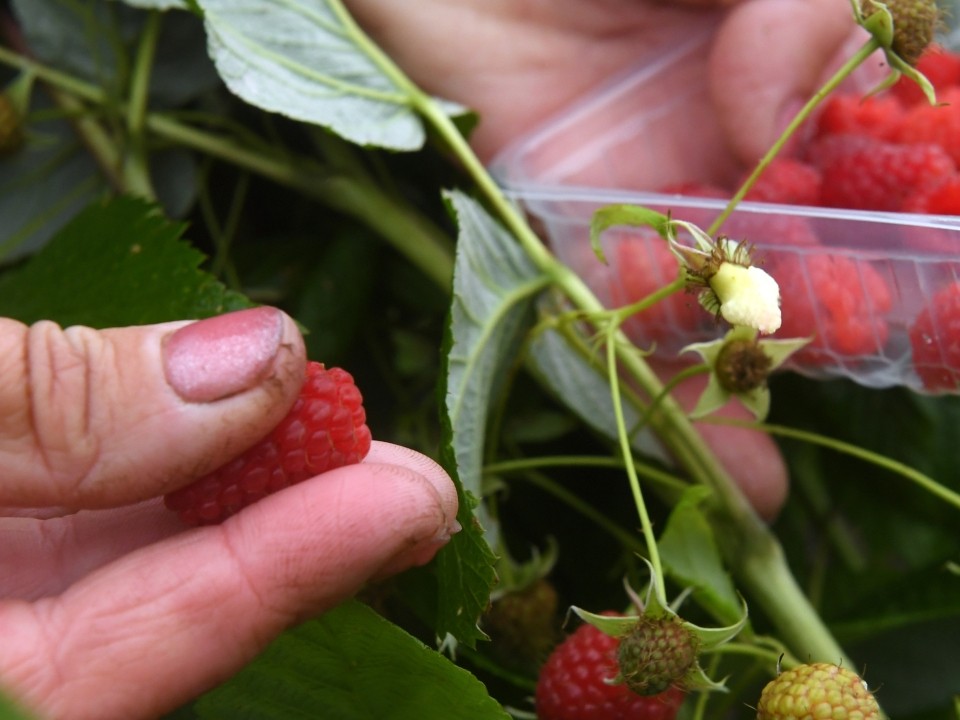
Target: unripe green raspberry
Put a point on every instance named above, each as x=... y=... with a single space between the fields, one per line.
x=914 y=25
x=657 y=655
x=820 y=691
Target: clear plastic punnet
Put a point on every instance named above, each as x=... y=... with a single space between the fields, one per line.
x=856 y=281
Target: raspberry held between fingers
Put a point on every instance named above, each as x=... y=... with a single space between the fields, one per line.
x=325 y=429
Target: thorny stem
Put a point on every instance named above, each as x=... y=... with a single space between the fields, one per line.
x=751 y=549
x=842 y=74
x=624 y=438
x=137 y=167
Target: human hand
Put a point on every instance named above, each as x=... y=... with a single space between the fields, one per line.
x=109 y=608
x=518 y=62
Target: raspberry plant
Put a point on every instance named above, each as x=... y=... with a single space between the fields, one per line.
x=318 y=176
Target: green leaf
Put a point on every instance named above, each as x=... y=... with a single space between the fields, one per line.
x=494 y=288
x=97 y=39
x=629 y=215
x=117 y=263
x=351 y=664
x=85 y=38
x=308 y=60
x=42 y=186
x=465 y=575
x=562 y=364
x=691 y=557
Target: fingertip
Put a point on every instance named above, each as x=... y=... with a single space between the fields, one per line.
x=100 y=418
x=335 y=532
x=769 y=57
x=385 y=453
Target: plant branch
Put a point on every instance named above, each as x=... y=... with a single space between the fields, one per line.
x=750 y=548
x=869 y=47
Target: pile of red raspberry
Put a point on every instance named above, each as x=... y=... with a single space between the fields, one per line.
x=889 y=152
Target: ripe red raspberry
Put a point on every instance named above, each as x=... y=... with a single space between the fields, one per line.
x=825 y=149
x=877 y=116
x=788 y=181
x=818 y=690
x=574 y=684
x=935 y=340
x=938 y=198
x=839 y=301
x=325 y=429
x=934 y=124
x=878 y=175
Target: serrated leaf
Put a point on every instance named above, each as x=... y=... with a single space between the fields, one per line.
x=351 y=664
x=494 y=288
x=308 y=60
x=465 y=576
x=691 y=557
x=117 y=263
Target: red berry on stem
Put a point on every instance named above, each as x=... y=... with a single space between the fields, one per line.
x=325 y=429
x=574 y=684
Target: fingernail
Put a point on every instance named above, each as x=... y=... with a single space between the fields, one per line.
x=221 y=356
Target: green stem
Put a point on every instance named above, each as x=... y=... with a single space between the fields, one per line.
x=624 y=438
x=895 y=466
x=422 y=243
x=137 y=166
x=621 y=314
x=748 y=545
x=765 y=572
x=852 y=64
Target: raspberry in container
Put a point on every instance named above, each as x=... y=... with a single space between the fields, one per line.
x=876 y=286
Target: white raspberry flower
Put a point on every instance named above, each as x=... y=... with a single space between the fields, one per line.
x=748 y=296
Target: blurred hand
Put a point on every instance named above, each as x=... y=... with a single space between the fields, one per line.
x=109 y=608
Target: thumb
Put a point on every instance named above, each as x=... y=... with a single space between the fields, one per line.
x=94 y=418
x=768 y=58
